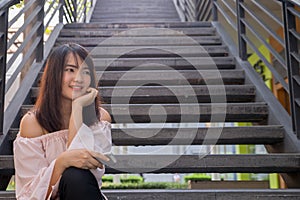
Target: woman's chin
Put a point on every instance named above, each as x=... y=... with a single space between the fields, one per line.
x=75 y=96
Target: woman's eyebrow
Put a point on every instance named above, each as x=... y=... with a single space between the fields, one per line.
x=71 y=65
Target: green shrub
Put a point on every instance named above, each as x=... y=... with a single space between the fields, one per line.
x=197 y=177
x=128 y=179
x=131 y=179
x=108 y=179
x=144 y=185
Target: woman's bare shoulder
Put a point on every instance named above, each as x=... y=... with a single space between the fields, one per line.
x=105 y=116
x=29 y=126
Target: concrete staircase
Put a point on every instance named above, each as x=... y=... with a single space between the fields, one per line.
x=147 y=78
x=134 y=11
x=167 y=81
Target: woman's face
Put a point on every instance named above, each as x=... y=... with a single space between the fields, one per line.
x=76 y=78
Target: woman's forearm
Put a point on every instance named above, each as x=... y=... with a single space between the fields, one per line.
x=58 y=169
x=75 y=122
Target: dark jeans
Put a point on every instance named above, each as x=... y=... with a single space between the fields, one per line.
x=79 y=184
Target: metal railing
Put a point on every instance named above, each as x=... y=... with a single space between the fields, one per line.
x=292 y=38
x=256 y=23
x=42 y=17
x=4 y=7
x=194 y=10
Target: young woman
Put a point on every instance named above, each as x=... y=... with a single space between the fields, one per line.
x=60 y=138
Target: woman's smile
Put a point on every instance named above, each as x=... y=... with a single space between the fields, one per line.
x=76 y=87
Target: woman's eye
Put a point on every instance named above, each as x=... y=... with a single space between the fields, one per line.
x=69 y=70
x=87 y=72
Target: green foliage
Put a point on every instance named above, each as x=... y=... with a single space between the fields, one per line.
x=48 y=31
x=137 y=182
x=108 y=179
x=145 y=185
x=131 y=179
x=128 y=179
x=19 y=5
x=11 y=186
x=197 y=177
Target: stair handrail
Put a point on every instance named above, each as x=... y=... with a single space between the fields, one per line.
x=292 y=38
x=4 y=6
x=194 y=10
x=41 y=18
x=289 y=43
x=237 y=13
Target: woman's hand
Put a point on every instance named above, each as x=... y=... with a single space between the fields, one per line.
x=80 y=158
x=86 y=99
x=77 y=108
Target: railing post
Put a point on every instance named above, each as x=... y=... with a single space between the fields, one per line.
x=3 y=50
x=241 y=30
x=194 y=11
x=75 y=10
x=291 y=45
x=40 y=33
x=61 y=11
x=84 y=10
x=185 y=11
x=26 y=32
x=214 y=10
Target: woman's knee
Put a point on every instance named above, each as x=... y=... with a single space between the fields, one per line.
x=80 y=184
x=74 y=175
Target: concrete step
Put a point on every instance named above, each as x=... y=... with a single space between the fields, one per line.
x=129 y=20
x=140 y=10
x=175 y=94
x=150 y=194
x=149 y=15
x=172 y=94
x=99 y=25
x=100 y=10
x=259 y=194
x=133 y=3
x=142 y=41
x=7 y=195
x=161 y=24
x=144 y=135
x=136 y=32
x=169 y=77
x=171 y=63
x=202 y=163
x=187 y=112
x=158 y=51
x=198 y=136
x=175 y=113
x=270 y=163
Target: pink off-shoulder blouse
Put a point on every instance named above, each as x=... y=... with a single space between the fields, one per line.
x=34 y=158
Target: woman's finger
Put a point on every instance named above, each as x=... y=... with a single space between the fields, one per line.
x=94 y=165
x=96 y=162
x=99 y=156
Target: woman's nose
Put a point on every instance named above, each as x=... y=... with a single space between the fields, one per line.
x=78 y=76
